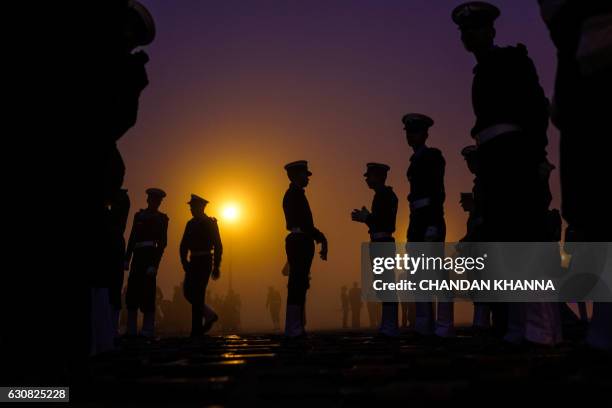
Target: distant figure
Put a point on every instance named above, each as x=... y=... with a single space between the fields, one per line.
x=512 y=115
x=273 y=304
x=344 y=303
x=200 y=252
x=381 y=226
x=584 y=79
x=231 y=311
x=426 y=177
x=356 y=304
x=299 y=245
x=159 y=312
x=145 y=249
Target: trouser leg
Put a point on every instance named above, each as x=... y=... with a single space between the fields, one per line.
x=300 y=251
x=482 y=316
x=388 y=324
x=148 y=324
x=132 y=322
x=543 y=323
x=424 y=318
x=445 y=321
x=516 y=323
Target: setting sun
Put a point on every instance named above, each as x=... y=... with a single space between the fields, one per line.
x=230 y=212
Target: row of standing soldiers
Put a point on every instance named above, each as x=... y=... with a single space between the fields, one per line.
x=508 y=160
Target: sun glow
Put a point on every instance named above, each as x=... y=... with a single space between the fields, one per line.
x=230 y=212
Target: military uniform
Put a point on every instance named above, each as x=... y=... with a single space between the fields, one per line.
x=381 y=226
x=201 y=251
x=145 y=249
x=510 y=130
x=584 y=79
x=426 y=177
x=300 y=249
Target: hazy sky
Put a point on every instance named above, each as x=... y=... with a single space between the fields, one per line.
x=239 y=88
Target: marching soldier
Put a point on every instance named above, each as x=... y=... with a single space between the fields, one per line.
x=145 y=248
x=344 y=302
x=200 y=251
x=381 y=226
x=426 y=177
x=511 y=121
x=299 y=245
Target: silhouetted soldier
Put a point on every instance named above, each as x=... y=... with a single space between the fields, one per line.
x=356 y=304
x=273 y=304
x=426 y=177
x=118 y=211
x=511 y=122
x=344 y=302
x=299 y=245
x=145 y=248
x=381 y=226
x=584 y=79
x=200 y=252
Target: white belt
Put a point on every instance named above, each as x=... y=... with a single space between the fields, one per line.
x=493 y=131
x=200 y=253
x=378 y=235
x=145 y=244
x=423 y=202
x=296 y=230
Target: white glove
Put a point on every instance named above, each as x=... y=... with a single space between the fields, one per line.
x=360 y=215
x=151 y=271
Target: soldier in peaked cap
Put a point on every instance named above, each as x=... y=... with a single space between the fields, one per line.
x=381 y=226
x=511 y=121
x=426 y=177
x=145 y=248
x=200 y=251
x=299 y=245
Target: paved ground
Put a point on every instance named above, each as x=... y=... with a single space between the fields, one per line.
x=343 y=369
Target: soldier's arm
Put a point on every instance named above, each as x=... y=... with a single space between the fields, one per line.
x=163 y=242
x=217 y=245
x=183 y=247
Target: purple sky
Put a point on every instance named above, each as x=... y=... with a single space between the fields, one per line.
x=238 y=88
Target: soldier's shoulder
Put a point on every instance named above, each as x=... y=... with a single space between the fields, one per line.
x=435 y=153
x=516 y=53
x=163 y=216
x=388 y=191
